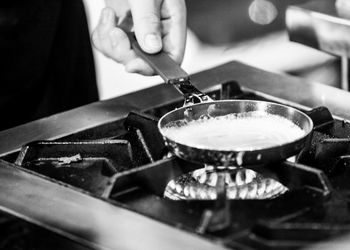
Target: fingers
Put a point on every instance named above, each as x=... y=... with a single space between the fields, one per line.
x=146 y=17
x=158 y=24
x=110 y=40
x=174 y=28
x=115 y=44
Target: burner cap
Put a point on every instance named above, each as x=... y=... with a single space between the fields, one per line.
x=240 y=183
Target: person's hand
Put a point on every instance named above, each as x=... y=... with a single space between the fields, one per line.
x=158 y=25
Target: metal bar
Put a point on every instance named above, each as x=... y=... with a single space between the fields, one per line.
x=320 y=25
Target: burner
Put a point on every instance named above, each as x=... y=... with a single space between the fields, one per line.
x=241 y=184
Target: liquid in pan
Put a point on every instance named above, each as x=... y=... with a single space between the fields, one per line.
x=235 y=132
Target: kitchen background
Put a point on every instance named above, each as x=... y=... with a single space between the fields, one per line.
x=220 y=31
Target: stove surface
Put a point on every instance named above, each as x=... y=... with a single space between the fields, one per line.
x=98 y=177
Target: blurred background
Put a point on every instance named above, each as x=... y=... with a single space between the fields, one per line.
x=250 y=31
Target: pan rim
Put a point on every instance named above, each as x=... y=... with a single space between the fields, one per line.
x=288 y=143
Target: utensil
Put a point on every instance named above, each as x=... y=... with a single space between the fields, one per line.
x=198 y=105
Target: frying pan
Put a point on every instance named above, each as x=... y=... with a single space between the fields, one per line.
x=198 y=105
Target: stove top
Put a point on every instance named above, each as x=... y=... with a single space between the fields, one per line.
x=101 y=176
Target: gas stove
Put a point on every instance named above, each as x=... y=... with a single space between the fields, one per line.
x=100 y=176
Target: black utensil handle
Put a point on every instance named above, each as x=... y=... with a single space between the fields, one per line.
x=170 y=71
x=161 y=63
x=167 y=68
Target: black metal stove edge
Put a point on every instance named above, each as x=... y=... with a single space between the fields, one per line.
x=284 y=87
x=86 y=219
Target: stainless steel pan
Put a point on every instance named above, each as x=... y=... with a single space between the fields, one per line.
x=198 y=105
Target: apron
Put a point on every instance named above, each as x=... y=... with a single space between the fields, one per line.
x=46 y=61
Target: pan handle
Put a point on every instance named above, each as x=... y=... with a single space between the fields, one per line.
x=166 y=68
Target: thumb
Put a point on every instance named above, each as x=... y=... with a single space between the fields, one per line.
x=146 y=17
